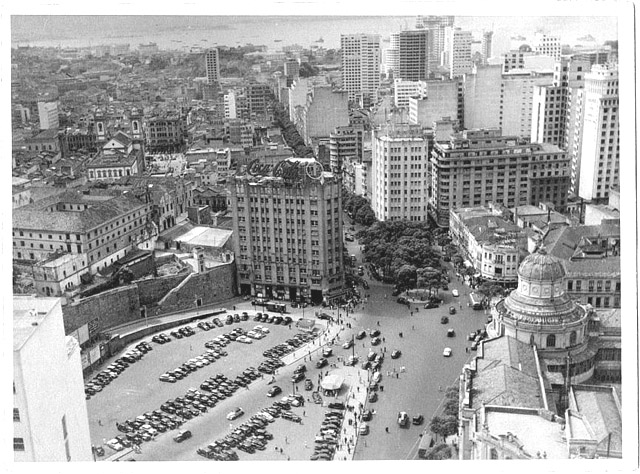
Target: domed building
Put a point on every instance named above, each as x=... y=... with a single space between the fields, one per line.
x=540 y=313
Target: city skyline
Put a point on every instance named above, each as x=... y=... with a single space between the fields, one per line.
x=393 y=246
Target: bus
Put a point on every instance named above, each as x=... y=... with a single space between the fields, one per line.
x=277 y=307
x=476 y=301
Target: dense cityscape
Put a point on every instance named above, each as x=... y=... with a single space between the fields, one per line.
x=407 y=247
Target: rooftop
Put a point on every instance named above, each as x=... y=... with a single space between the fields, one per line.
x=599 y=405
x=205 y=237
x=536 y=433
x=28 y=313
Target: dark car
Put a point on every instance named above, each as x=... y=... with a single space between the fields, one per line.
x=308 y=385
x=297 y=377
x=365 y=285
x=182 y=436
x=402 y=300
x=451 y=333
x=396 y=354
x=361 y=335
x=374 y=333
x=444 y=320
x=217 y=322
x=273 y=391
x=452 y=310
x=431 y=305
x=367 y=415
x=300 y=369
x=395 y=292
x=417 y=420
x=373 y=397
x=321 y=363
x=336 y=405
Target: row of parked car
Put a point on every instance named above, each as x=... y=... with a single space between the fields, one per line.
x=192 y=365
x=327 y=439
x=289 y=345
x=143 y=428
x=273 y=319
x=113 y=370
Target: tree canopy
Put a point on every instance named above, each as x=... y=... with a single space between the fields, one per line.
x=359 y=209
x=395 y=245
x=290 y=132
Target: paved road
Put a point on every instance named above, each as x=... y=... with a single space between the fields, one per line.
x=420 y=389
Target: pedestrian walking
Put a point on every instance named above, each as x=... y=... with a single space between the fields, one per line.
x=397 y=375
x=286 y=440
x=100 y=422
x=386 y=429
x=306 y=445
x=413 y=328
x=304 y=413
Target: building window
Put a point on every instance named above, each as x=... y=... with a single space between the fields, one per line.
x=18 y=444
x=551 y=340
x=16 y=414
x=573 y=338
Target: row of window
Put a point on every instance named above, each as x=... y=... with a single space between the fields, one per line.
x=592 y=285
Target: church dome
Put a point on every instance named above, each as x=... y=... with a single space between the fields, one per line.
x=539 y=266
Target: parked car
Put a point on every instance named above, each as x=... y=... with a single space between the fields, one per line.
x=273 y=391
x=403 y=419
x=454 y=292
x=374 y=333
x=182 y=436
x=321 y=363
x=361 y=335
x=308 y=385
x=297 y=377
x=417 y=420
x=444 y=320
x=452 y=310
x=364 y=429
x=447 y=352
x=327 y=352
x=375 y=341
x=402 y=300
x=396 y=354
x=373 y=397
x=367 y=415
x=237 y=413
x=395 y=292
x=430 y=305
x=348 y=344
x=450 y=332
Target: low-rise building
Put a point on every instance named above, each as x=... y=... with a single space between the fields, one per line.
x=492 y=245
x=117 y=158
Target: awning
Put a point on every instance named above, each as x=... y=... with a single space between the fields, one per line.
x=332 y=382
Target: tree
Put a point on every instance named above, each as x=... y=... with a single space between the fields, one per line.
x=444 y=425
x=406 y=277
x=489 y=290
x=439 y=452
x=365 y=216
x=307 y=70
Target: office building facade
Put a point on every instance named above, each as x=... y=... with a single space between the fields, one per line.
x=479 y=166
x=212 y=66
x=361 y=67
x=287 y=230
x=399 y=167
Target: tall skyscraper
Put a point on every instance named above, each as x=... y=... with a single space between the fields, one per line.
x=598 y=162
x=212 y=64
x=457 y=51
x=413 y=54
x=487 y=46
x=361 y=67
x=400 y=158
x=49 y=410
x=287 y=230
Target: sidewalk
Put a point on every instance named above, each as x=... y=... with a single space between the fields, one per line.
x=355 y=402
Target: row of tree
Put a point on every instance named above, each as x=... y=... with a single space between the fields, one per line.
x=402 y=251
x=359 y=209
x=290 y=132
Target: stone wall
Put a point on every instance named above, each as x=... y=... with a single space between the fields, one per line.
x=110 y=308
x=210 y=287
x=152 y=290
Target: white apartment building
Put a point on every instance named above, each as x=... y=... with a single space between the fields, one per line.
x=391 y=55
x=399 y=185
x=599 y=160
x=548 y=45
x=457 y=57
x=439 y=99
x=212 y=65
x=48 y=115
x=50 y=420
x=404 y=90
x=361 y=67
x=493 y=99
x=230 y=105
x=487 y=46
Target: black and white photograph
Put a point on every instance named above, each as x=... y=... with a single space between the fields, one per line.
x=321 y=232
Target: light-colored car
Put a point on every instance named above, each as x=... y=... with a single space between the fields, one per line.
x=377 y=376
x=447 y=352
x=348 y=344
x=454 y=292
x=115 y=444
x=237 y=413
x=364 y=429
x=403 y=419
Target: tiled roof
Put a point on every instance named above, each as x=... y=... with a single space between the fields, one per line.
x=598 y=405
x=503 y=385
x=101 y=209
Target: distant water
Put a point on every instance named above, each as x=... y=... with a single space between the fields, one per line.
x=183 y=32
